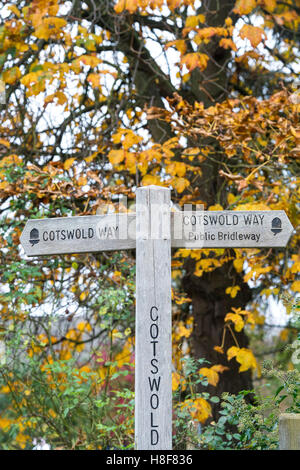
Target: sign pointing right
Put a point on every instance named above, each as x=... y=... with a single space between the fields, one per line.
x=231 y=229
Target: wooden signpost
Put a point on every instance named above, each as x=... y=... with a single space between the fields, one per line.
x=153 y=230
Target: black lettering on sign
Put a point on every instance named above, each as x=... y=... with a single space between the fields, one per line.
x=154 y=437
x=152 y=423
x=154 y=331
x=154 y=347
x=152 y=363
x=154 y=382
x=151 y=313
x=61 y=235
x=154 y=401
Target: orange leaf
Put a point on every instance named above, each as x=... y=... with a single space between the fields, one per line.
x=129 y=5
x=195 y=59
x=227 y=44
x=172 y=4
x=253 y=33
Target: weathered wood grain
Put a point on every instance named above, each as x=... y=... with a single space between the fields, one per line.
x=153 y=352
x=230 y=229
x=289 y=431
x=85 y=234
x=200 y=229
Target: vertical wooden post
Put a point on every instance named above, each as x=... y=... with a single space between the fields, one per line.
x=153 y=354
x=289 y=431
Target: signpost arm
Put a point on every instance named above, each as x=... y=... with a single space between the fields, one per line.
x=153 y=344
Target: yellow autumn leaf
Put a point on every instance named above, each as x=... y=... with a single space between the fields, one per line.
x=201 y=410
x=195 y=59
x=244 y=357
x=227 y=43
x=216 y=207
x=116 y=156
x=179 y=44
x=91 y=157
x=253 y=33
x=68 y=163
x=131 y=139
x=268 y=5
x=247 y=360
x=180 y=168
x=238 y=263
x=130 y=162
x=83 y=326
x=211 y=375
x=244 y=7
x=50 y=26
x=30 y=78
x=232 y=352
x=94 y=79
x=172 y=4
x=12 y=75
x=193 y=21
x=175 y=381
x=232 y=291
x=296 y=286
x=150 y=179
x=219 y=368
x=180 y=184
x=129 y=5
x=183 y=300
x=14 y=10
x=4 y=142
x=90 y=60
x=236 y=319
x=183 y=331
x=83 y=296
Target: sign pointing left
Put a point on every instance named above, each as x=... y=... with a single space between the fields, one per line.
x=84 y=234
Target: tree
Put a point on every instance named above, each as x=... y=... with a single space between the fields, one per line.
x=102 y=97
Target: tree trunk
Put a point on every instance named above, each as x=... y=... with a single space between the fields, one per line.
x=210 y=304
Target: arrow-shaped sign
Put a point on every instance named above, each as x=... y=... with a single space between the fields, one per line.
x=85 y=234
x=198 y=229
x=231 y=229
